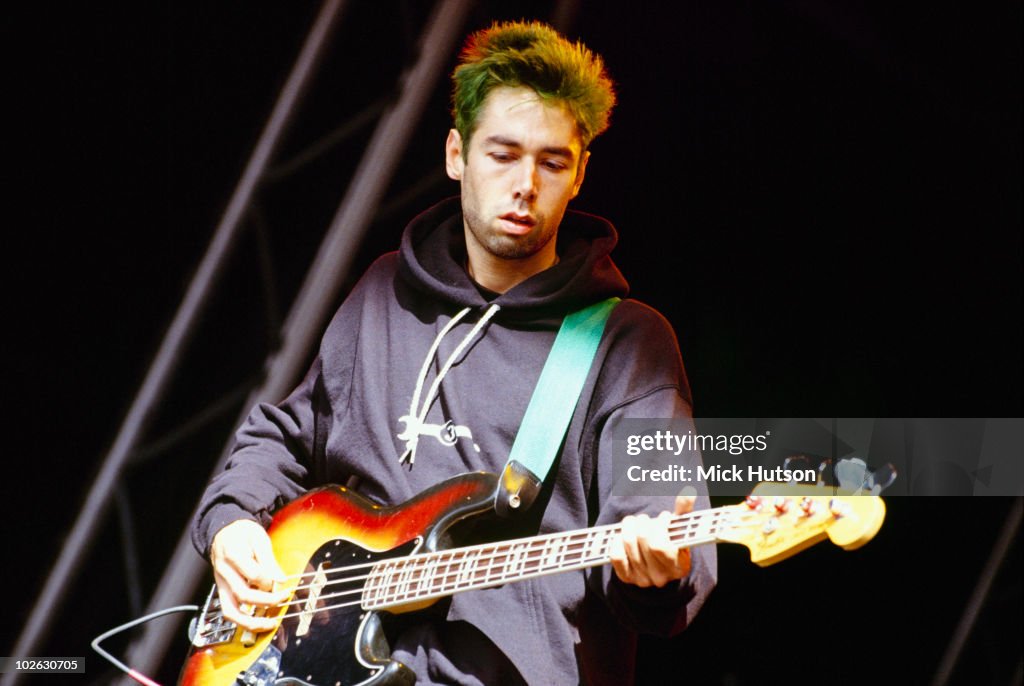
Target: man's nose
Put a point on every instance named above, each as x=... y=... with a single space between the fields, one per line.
x=526 y=181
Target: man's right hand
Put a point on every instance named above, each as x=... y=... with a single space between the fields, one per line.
x=247 y=573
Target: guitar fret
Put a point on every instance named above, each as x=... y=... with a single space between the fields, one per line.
x=566 y=551
x=396 y=583
x=380 y=588
x=474 y=565
x=496 y=565
x=465 y=568
x=448 y=585
x=522 y=557
x=393 y=578
x=552 y=548
x=513 y=561
x=534 y=557
x=531 y=559
x=399 y=581
x=410 y=579
x=372 y=587
x=383 y=590
x=480 y=574
x=446 y=572
x=562 y=552
x=587 y=545
x=430 y=572
x=441 y=576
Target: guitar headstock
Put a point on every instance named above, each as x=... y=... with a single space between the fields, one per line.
x=778 y=520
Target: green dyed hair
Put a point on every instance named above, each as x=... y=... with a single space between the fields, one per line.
x=533 y=55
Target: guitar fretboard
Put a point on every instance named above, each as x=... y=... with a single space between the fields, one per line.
x=410 y=579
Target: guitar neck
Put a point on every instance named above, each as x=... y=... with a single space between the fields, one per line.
x=406 y=580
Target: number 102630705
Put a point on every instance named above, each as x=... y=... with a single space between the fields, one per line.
x=42 y=665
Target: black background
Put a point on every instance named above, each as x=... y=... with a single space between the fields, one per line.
x=823 y=198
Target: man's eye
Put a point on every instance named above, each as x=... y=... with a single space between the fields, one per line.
x=502 y=156
x=555 y=165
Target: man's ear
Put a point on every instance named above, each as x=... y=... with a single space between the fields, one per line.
x=581 y=171
x=453 y=162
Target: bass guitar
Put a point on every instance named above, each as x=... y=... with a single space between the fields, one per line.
x=350 y=562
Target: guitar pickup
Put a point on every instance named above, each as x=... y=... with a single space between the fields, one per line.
x=316 y=587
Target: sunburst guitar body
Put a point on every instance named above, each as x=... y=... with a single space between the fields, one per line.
x=351 y=563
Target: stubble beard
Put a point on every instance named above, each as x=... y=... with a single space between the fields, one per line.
x=505 y=246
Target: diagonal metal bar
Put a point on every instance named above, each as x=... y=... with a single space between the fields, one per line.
x=155 y=384
x=1007 y=537
x=312 y=306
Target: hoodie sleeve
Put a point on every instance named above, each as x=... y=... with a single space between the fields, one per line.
x=643 y=378
x=269 y=464
x=670 y=609
x=279 y=451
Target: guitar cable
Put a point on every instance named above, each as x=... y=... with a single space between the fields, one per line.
x=141 y=678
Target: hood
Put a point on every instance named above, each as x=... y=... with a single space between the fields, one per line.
x=433 y=254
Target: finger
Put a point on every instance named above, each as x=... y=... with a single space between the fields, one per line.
x=242 y=591
x=635 y=567
x=264 y=554
x=683 y=562
x=237 y=609
x=247 y=549
x=658 y=555
x=685 y=503
x=272 y=578
x=617 y=553
x=252 y=569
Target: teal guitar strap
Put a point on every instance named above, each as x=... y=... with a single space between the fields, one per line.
x=551 y=407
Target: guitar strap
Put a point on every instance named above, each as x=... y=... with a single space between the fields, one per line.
x=554 y=400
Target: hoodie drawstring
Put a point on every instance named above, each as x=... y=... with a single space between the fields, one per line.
x=414 y=420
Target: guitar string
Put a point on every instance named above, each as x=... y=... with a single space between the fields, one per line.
x=683 y=527
x=212 y=630
x=594 y=561
x=532 y=548
x=534 y=556
x=530 y=557
x=679 y=522
x=474 y=572
x=474 y=582
x=467 y=569
x=583 y=564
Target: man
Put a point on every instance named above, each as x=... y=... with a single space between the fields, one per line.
x=426 y=370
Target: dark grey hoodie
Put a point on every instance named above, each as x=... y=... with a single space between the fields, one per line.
x=419 y=363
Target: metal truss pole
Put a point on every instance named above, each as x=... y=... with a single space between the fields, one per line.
x=1002 y=546
x=157 y=378
x=312 y=307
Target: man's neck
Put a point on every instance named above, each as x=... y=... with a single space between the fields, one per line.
x=501 y=275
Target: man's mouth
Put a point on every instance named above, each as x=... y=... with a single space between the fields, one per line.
x=517 y=223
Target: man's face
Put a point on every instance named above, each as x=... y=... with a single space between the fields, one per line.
x=522 y=168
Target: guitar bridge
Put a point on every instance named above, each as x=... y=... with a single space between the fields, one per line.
x=213 y=628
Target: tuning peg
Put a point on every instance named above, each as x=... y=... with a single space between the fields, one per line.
x=753 y=502
x=781 y=505
x=852 y=474
x=838 y=508
x=823 y=468
x=807 y=506
x=881 y=478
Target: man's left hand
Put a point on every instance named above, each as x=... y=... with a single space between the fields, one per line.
x=644 y=555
